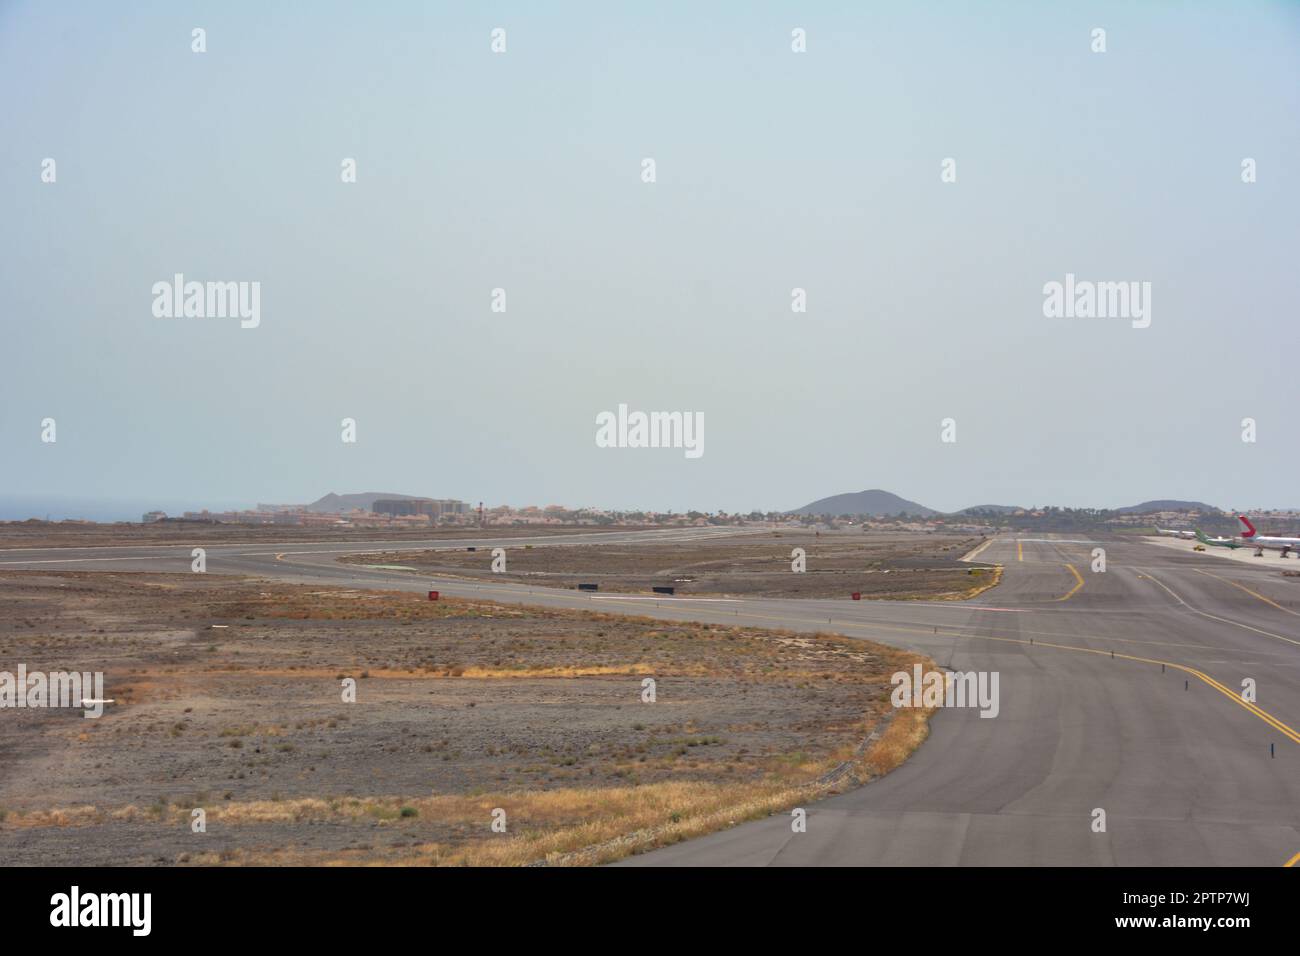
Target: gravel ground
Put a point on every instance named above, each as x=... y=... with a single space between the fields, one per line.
x=887 y=566
x=467 y=701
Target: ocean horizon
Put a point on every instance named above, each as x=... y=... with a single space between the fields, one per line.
x=60 y=507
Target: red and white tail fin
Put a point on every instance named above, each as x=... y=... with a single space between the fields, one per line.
x=1250 y=532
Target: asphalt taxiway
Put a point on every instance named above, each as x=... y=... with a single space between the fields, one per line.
x=1120 y=691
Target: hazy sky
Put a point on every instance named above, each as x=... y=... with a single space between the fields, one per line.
x=775 y=170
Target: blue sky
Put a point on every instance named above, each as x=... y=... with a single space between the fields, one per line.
x=775 y=170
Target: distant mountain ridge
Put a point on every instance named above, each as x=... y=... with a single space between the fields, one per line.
x=872 y=502
x=880 y=502
x=332 y=504
x=1168 y=504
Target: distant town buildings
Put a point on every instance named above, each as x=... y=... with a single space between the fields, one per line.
x=434 y=508
x=383 y=513
x=393 y=512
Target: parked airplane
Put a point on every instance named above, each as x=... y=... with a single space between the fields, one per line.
x=1261 y=541
x=1219 y=542
x=1171 y=533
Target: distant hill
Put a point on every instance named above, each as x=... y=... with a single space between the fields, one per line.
x=879 y=502
x=1168 y=504
x=873 y=502
x=333 y=504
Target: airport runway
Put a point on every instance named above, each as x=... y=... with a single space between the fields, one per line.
x=1119 y=690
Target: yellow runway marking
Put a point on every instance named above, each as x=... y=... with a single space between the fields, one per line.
x=1293 y=861
x=1020 y=551
x=1199 y=675
x=952 y=630
x=1215 y=617
x=1238 y=699
x=1077 y=577
x=1255 y=709
x=1254 y=594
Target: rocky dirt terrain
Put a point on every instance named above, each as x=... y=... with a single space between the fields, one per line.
x=79 y=534
x=889 y=566
x=228 y=698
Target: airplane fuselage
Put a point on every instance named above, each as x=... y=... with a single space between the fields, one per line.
x=1270 y=543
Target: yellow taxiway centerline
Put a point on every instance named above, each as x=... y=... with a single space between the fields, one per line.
x=1254 y=594
x=1078 y=578
x=1255 y=709
x=1258 y=711
x=1215 y=617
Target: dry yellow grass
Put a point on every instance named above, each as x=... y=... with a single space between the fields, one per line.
x=560 y=822
x=905 y=733
x=567 y=827
x=991 y=581
x=470 y=672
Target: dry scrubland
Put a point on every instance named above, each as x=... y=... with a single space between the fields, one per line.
x=463 y=707
x=888 y=566
x=43 y=534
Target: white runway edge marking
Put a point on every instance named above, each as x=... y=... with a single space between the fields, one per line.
x=504 y=543
x=1057 y=540
x=978 y=550
x=968 y=607
x=238 y=554
x=152 y=557
x=701 y=533
x=1146 y=572
x=658 y=597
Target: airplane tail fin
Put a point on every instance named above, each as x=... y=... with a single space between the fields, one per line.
x=1250 y=532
